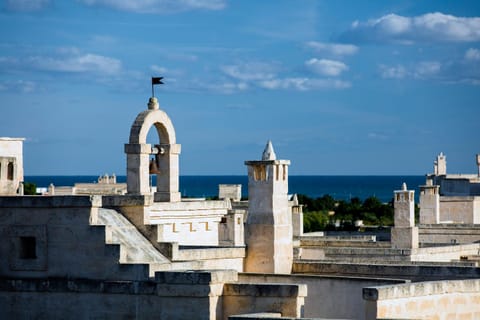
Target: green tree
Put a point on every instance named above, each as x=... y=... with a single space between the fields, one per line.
x=29 y=188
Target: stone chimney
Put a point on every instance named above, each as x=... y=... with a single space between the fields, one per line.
x=268 y=230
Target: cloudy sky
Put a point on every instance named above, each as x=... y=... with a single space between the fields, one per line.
x=340 y=87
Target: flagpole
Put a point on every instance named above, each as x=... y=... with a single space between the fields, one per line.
x=153 y=92
x=155 y=80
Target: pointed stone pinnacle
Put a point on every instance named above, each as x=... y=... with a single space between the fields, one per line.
x=268 y=153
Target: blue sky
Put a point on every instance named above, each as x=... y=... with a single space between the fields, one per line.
x=340 y=87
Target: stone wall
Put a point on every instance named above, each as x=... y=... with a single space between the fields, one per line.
x=188 y=222
x=415 y=271
x=11 y=165
x=328 y=297
x=449 y=234
x=53 y=237
x=213 y=295
x=425 y=300
x=465 y=210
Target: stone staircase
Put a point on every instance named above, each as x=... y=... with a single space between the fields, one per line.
x=135 y=248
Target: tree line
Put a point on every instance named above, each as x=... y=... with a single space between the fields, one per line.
x=326 y=213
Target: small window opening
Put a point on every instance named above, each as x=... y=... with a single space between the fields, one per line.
x=10 y=171
x=28 y=248
x=223 y=220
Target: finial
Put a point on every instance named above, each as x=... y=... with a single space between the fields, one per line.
x=153 y=104
x=268 y=153
x=295 y=200
x=404 y=186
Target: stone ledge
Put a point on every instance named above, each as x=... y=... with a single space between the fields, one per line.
x=400 y=271
x=420 y=289
x=265 y=290
x=171 y=284
x=128 y=200
x=58 y=285
x=196 y=277
x=50 y=201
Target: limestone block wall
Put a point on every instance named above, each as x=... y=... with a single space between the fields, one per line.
x=230 y=191
x=286 y=299
x=11 y=165
x=464 y=210
x=440 y=300
x=413 y=271
x=188 y=222
x=449 y=233
x=52 y=237
x=445 y=253
x=328 y=297
x=231 y=229
x=212 y=295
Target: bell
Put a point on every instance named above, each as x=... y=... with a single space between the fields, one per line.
x=153 y=168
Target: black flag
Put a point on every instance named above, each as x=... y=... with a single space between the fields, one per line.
x=157 y=80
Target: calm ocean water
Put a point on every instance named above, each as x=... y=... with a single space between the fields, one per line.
x=340 y=187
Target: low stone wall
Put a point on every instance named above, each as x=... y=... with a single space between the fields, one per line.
x=412 y=271
x=170 y=295
x=460 y=209
x=449 y=233
x=445 y=253
x=51 y=236
x=426 y=300
x=240 y=298
x=328 y=297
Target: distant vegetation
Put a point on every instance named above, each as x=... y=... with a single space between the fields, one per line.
x=29 y=188
x=326 y=213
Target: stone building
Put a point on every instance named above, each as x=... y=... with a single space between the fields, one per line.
x=11 y=166
x=150 y=254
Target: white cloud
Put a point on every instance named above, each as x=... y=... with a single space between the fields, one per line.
x=158 y=6
x=448 y=72
x=226 y=87
x=395 y=72
x=472 y=54
x=326 y=67
x=23 y=86
x=250 y=71
x=26 y=5
x=430 y=27
x=77 y=63
x=158 y=69
x=422 y=70
x=427 y=69
x=266 y=76
x=65 y=59
x=336 y=49
x=304 y=84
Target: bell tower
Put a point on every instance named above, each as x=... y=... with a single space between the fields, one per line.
x=166 y=153
x=269 y=223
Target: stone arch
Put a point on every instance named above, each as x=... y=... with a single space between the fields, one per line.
x=166 y=154
x=145 y=120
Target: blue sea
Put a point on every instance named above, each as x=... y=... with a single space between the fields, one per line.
x=339 y=187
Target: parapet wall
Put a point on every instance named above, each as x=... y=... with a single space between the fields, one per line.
x=171 y=295
x=443 y=299
x=464 y=210
x=53 y=237
x=328 y=297
x=412 y=271
x=449 y=233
